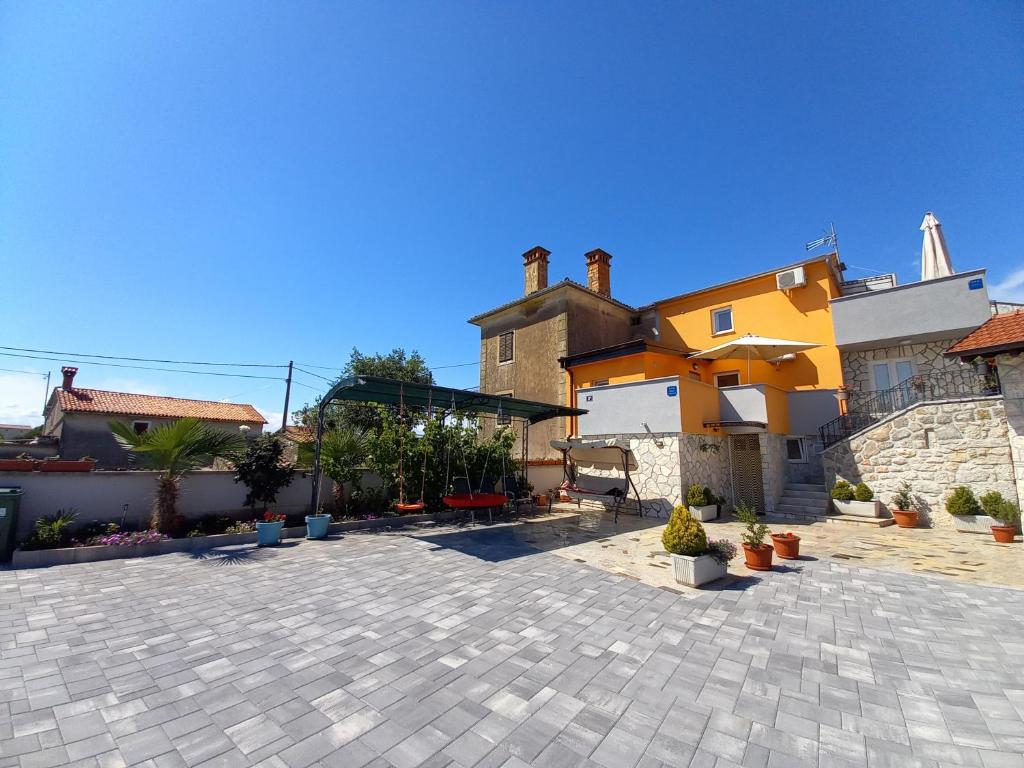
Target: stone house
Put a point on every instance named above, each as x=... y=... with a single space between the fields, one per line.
x=79 y=418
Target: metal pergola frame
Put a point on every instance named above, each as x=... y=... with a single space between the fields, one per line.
x=447 y=400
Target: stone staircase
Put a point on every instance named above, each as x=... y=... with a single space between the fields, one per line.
x=811 y=503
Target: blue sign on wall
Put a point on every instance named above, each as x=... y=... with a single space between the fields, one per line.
x=975 y=284
x=590 y=398
x=673 y=390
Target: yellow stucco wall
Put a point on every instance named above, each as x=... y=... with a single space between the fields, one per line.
x=778 y=410
x=801 y=314
x=698 y=403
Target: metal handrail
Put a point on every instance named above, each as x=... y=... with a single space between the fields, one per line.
x=867 y=408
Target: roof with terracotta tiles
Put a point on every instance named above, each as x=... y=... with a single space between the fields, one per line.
x=79 y=400
x=1001 y=333
x=298 y=433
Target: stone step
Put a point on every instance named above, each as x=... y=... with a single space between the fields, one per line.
x=784 y=517
x=801 y=509
x=806 y=486
x=811 y=495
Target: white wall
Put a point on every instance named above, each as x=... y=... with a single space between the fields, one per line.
x=102 y=495
x=621 y=409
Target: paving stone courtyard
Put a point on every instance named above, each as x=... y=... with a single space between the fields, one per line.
x=473 y=648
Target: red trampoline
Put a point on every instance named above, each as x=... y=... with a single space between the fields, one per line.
x=475 y=500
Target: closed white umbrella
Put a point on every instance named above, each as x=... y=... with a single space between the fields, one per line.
x=753 y=347
x=934 y=256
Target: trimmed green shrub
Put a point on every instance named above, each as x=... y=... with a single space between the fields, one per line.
x=863 y=493
x=962 y=502
x=991 y=501
x=1006 y=512
x=699 y=496
x=684 y=535
x=842 y=491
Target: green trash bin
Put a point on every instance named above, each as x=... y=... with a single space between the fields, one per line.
x=10 y=499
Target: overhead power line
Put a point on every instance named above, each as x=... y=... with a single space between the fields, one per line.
x=27 y=373
x=147 y=359
x=141 y=367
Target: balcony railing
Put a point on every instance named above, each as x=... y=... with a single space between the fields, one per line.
x=867 y=408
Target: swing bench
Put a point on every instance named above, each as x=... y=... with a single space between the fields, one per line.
x=587 y=466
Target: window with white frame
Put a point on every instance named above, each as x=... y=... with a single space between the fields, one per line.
x=721 y=320
x=728 y=379
x=506 y=347
x=503 y=419
x=796 y=451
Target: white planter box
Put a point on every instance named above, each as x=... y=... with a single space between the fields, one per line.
x=705 y=513
x=858 y=508
x=694 y=571
x=973 y=523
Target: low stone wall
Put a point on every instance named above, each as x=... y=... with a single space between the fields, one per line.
x=128 y=495
x=704 y=459
x=935 y=447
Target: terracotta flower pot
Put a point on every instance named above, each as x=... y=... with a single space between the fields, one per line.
x=541 y=500
x=787 y=545
x=1004 y=534
x=758 y=558
x=905 y=518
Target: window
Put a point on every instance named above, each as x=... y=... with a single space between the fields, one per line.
x=721 y=320
x=599 y=383
x=506 y=347
x=140 y=427
x=501 y=419
x=795 y=450
x=886 y=374
x=730 y=379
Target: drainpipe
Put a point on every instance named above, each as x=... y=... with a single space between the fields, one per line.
x=572 y=400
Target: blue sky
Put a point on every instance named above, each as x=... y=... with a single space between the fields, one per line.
x=263 y=182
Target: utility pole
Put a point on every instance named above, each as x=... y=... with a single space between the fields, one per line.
x=46 y=393
x=287 y=395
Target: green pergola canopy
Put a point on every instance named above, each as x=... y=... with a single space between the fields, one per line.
x=374 y=389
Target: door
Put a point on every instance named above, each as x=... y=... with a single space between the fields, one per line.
x=891 y=379
x=747 y=482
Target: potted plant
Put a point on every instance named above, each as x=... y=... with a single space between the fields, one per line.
x=57 y=464
x=695 y=561
x=268 y=530
x=23 y=463
x=843 y=393
x=858 y=501
x=758 y=555
x=702 y=502
x=1007 y=516
x=972 y=515
x=543 y=499
x=903 y=501
x=787 y=545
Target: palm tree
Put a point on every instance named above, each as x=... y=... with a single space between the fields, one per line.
x=174 y=449
x=343 y=453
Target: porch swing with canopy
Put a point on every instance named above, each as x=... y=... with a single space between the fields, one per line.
x=405 y=395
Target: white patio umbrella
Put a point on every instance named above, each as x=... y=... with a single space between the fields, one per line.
x=751 y=347
x=934 y=256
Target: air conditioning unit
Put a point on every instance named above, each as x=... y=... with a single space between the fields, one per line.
x=791 y=278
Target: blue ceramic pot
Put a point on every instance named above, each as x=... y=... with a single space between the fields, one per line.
x=269 y=534
x=316 y=526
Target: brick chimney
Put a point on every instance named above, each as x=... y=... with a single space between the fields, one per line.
x=69 y=376
x=599 y=267
x=535 y=264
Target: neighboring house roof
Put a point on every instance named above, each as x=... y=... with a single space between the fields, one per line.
x=15 y=426
x=1001 y=333
x=298 y=434
x=566 y=283
x=78 y=400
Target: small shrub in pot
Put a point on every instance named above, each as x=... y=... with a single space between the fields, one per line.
x=695 y=561
x=903 y=501
x=758 y=554
x=842 y=491
x=1007 y=516
x=963 y=502
x=863 y=493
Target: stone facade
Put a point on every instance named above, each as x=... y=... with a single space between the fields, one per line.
x=927 y=357
x=704 y=459
x=774 y=468
x=1011 y=377
x=934 y=446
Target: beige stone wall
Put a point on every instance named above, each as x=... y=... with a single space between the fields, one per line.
x=774 y=468
x=935 y=447
x=1011 y=377
x=704 y=459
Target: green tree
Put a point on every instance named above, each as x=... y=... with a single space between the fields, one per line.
x=174 y=449
x=263 y=471
x=343 y=455
x=397 y=364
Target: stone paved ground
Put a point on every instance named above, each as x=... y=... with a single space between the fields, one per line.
x=472 y=649
x=633 y=547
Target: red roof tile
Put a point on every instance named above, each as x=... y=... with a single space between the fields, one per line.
x=298 y=434
x=128 y=404
x=996 y=334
